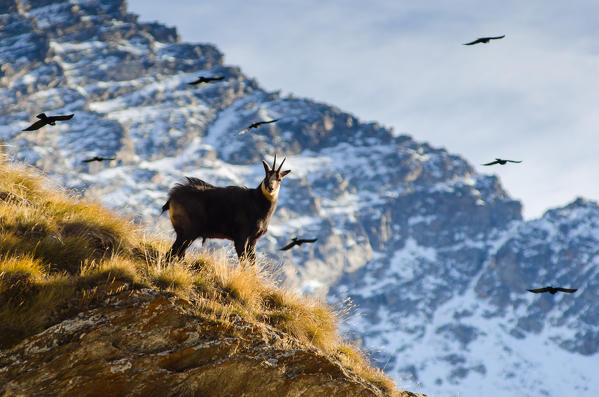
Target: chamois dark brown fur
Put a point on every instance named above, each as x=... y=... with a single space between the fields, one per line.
x=199 y=209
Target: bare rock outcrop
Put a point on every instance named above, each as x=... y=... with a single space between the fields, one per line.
x=145 y=343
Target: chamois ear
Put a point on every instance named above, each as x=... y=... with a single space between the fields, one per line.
x=283 y=173
x=266 y=166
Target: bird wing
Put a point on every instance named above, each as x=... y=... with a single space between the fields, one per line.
x=244 y=130
x=308 y=240
x=288 y=246
x=198 y=81
x=217 y=78
x=491 y=163
x=474 y=42
x=514 y=161
x=496 y=37
x=67 y=117
x=540 y=290
x=569 y=290
x=255 y=125
x=36 y=126
x=95 y=158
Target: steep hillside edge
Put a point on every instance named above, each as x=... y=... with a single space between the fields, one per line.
x=87 y=304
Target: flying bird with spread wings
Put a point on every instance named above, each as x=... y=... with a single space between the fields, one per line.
x=484 y=40
x=553 y=290
x=256 y=125
x=203 y=79
x=45 y=120
x=298 y=241
x=502 y=162
x=98 y=158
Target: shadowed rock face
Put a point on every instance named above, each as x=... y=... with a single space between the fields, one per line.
x=144 y=343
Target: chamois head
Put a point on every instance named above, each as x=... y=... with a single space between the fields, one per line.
x=272 y=180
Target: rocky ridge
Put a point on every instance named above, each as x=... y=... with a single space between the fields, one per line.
x=146 y=343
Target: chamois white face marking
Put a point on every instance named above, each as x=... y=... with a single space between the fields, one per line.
x=269 y=194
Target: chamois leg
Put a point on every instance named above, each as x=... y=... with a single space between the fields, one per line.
x=250 y=251
x=179 y=247
x=240 y=248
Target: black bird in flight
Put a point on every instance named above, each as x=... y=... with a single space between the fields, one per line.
x=298 y=241
x=553 y=290
x=98 y=158
x=203 y=79
x=484 y=40
x=256 y=125
x=502 y=162
x=44 y=120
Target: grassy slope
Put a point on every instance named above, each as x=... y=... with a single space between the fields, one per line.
x=60 y=255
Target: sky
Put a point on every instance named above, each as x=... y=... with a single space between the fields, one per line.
x=532 y=96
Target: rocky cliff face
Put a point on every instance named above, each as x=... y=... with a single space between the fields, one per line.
x=473 y=321
x=144 y=343
x=436 y=256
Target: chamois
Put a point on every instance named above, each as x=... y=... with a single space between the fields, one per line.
x=199 y=209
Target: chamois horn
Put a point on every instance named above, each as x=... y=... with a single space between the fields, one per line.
x=274 y=162
x=281 y=166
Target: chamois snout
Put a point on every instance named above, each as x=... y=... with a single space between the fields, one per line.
x=272 y=183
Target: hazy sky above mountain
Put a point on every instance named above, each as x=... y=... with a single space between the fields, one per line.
x=533 y=96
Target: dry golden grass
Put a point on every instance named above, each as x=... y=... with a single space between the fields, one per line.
x=176 y=277
x=351 y=357
x=112 y=269
x=28 y=297
x=57 y=251
x=51 y=226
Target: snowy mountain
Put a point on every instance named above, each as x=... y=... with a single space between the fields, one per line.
x=470 y=327
x=436 y=257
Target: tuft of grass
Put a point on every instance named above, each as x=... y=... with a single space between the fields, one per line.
x=176 y=278
x=25 y=265
x=351 y=357
x=60 y=254
x=28 y=303
x=19 y=277
x=244 y=285
x=113 y=269
x=308 y=319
